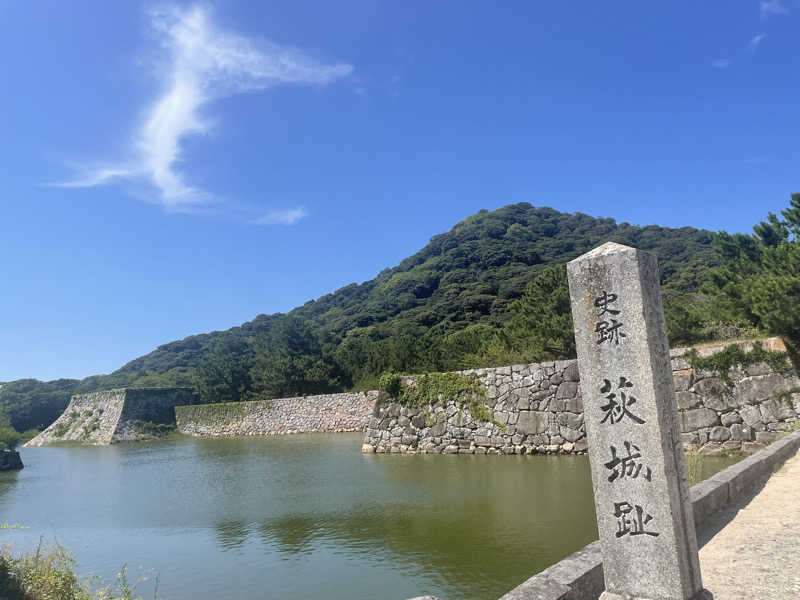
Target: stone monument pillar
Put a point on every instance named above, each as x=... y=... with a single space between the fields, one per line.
x=641 y=495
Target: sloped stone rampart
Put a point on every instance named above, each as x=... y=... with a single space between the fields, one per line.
x=538 y=408
x=110 y=416
x=324 y=413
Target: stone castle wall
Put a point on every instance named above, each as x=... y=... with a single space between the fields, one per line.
x=330 y=412
x=110 y=416
x=538 y=408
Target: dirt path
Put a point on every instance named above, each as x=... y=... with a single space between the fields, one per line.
x=756 y=556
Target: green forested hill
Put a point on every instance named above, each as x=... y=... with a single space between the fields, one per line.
x=461 y=301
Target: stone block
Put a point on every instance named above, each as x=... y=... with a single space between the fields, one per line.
x=532 y=422
x=679 y=363
x=625 y=282
x=572 y=420
x=760 y=387
x=682 y=379
x=574 y=405
x=438 y=430
x=569 y=434
x=571 y=372
x=752 y=447
x=501 y=417
x=713 y=392
x=692 y=420
x=766 y=437
x=687 y=400
x=730 y=418
x=750 y=415
x=741 y=432
x=719 y=434
x=770 y=410
x=568 y=389
x=580 y=446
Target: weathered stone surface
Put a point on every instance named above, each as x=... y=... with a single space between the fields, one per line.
x=687 y=400
x=752 y=447
x=110 y=416
x=719 y=434
x=627 y=385
x=760 y=387
x=770 y=410
x=730 y=418
x=568 y=389
x=531 y=421
x=713 y=392
x=750 y=415
x=571 y=373
x=569 y=434
x=682 y=379
x=697 y=418
x=533 y=391
x=766 y=437
x=741 y=432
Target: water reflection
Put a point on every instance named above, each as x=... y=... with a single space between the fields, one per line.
x=303 y=515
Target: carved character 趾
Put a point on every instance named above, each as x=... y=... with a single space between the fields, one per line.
x=628 y=524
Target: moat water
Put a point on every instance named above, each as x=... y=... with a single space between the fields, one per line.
x=301 y=517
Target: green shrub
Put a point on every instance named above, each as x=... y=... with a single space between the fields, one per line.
x=29 y=434
x=153 y=429
x=427 y=389
x=61 y=428
x=41 y=576
x=10 y=438
x=49 y=574
x=722 y=362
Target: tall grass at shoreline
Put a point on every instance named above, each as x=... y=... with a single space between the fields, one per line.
x=49 y=574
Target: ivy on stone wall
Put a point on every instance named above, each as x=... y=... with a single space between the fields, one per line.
x=212 y=414
x=732 y=356
x=422 y=391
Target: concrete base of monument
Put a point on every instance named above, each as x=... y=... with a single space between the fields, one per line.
x=701 y=595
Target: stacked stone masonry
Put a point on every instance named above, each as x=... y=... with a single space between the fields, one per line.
x=111 y=416
x=326 y=413
x=537 y=408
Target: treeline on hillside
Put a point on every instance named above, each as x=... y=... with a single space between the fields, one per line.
x=490 y=291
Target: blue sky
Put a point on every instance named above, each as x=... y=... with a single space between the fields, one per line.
x=170 y=169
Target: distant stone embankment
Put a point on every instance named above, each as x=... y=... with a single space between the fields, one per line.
x=538 y=408
x=329 y=412
x=111 y=416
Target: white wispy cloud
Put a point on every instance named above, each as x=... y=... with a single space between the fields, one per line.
x=282 y=217
x=202 y=64
x=771 y=8
x=721 y=63
x=752 y=45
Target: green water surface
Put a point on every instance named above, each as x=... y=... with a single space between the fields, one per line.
x=301 y=516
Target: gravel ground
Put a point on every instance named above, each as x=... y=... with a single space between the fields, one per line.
x=757 y=554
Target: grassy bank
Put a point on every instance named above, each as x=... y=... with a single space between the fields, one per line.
x=49 y=574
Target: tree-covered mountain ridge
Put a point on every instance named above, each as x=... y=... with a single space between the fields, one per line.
x=465 y=277
x=466 y=299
